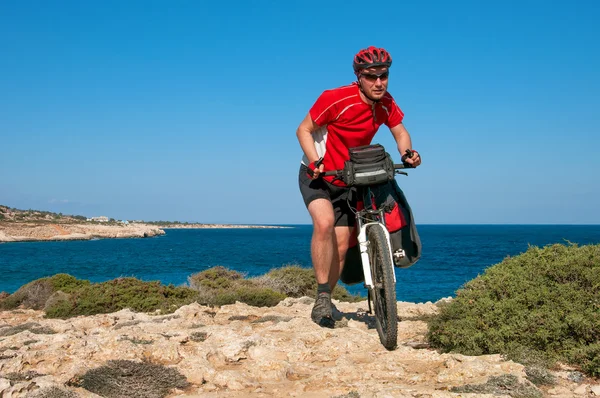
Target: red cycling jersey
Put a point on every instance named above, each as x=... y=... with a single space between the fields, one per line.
x=346 y=121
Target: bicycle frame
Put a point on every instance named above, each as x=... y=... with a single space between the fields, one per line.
x=370 y=218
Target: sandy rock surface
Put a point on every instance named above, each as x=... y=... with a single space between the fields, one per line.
x=240 y=351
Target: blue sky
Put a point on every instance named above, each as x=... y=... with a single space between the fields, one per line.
x=187 y=110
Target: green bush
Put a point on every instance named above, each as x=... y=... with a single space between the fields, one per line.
x=217 y=277
x=588 y=357
x=117 y=294
x=221 y=286
x=259 y=297
x=64 y=296
x=67 y=283
x=544 y=302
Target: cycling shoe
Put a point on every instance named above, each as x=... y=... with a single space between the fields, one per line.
x=321 y=313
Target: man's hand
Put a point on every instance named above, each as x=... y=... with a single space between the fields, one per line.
x=411 y=157
x=314 y=169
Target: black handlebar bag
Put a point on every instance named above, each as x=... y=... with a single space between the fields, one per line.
x=368 y=165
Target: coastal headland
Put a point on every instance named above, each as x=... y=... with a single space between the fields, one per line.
x=34 y=225
x=54 y=231
x=219 y=226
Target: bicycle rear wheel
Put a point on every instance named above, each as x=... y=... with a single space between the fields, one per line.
x=383 y=293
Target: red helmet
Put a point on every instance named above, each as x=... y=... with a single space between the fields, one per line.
x=370 y=57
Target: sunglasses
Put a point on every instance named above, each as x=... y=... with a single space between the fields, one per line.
x=371 y=77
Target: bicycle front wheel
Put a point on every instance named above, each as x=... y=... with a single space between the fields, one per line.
x=383 y=293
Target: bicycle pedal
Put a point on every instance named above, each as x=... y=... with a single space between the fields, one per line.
x=399 y=255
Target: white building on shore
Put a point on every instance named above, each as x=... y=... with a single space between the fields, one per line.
x=98 y=219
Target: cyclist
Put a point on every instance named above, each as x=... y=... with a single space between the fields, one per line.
x=342 y=118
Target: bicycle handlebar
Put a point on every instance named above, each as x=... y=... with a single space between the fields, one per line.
x=339 y=172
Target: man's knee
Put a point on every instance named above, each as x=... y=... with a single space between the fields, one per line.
x=322 y=215
x=342 y=248
x=323 y=226
x=343 y=236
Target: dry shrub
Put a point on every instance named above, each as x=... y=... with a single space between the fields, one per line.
x=33 y=327
x=501 y=385
x=198 y=336
x=127 y=323
x=129 y=379
x=272 y=318
x=35 y=294
x=53 y=392
x=57 y=299
x=295 y=281
x=32 y=295
x=291 y=280
x=351 y=394
x=22 y=376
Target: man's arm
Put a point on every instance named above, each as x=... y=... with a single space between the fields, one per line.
x=307 y=142
x=404 y=142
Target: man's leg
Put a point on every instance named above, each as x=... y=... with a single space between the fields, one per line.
x=323 y=252
x=342 y=238
x=322 y=245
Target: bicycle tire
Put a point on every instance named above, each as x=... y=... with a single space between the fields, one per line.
x=383 y=293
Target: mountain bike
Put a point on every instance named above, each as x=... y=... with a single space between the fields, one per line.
x=374 y=238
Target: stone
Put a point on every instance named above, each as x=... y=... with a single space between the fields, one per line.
x=581 y=390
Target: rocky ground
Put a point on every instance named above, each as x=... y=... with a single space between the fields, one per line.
x=239 y=351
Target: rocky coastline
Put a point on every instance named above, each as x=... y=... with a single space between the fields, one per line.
x=36 y=226
x=219 y=226
x=239 y=351
x=49 y=231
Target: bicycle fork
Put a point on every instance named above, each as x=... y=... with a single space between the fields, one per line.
x=363 y=245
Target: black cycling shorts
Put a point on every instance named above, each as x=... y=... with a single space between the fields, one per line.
x=343 y=199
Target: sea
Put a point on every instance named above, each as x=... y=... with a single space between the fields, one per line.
x=452 y=255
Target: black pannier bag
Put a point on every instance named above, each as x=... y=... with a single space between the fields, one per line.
x=399 y=220
x=368 y=165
